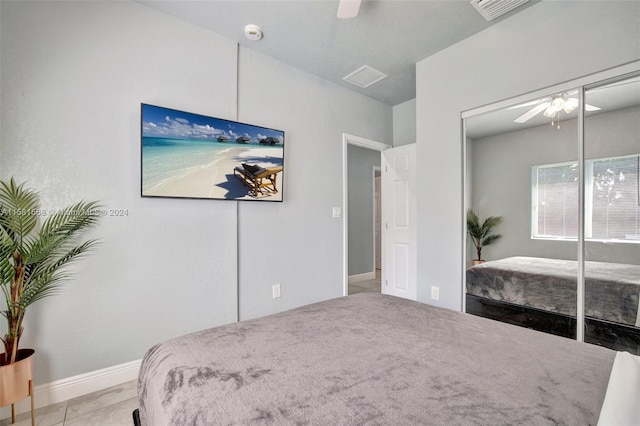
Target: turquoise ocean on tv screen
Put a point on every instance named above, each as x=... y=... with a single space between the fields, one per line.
x=165 y=159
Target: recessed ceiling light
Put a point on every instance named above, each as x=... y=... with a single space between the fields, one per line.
x=365 y=76
x=253 y=32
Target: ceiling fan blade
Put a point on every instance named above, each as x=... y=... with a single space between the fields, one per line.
x=348 y=9
x=532 y=112
x=526 y=104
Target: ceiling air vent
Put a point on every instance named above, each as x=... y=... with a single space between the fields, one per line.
x=365 y=76
x=491 y=9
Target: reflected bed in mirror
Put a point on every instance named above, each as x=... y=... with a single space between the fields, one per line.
x=540 y=285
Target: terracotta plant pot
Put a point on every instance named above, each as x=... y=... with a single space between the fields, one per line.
x=16 y=380
x=477 y=261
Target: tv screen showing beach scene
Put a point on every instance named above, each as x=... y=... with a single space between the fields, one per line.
x=187 y=155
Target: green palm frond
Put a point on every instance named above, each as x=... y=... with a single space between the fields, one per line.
x=46 y=278
x=491 y=239
x=6 y=269
x=74 y=218
x=54 y=263
x=58 y=232
x=16 y=213
x=492 y=222
x=40 y=287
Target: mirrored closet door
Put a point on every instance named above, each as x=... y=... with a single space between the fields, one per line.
x=612 y=214
x=522 y=174
x=551 y=188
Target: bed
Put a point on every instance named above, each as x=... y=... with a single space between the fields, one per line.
x=372 y=359
x=611 y=289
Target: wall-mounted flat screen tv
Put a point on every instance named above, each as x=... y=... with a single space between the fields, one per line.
x=187 y=155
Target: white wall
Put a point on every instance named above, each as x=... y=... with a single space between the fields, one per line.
x=72 y=79
x=546 y=44
x=404 y=123
x=296 y=244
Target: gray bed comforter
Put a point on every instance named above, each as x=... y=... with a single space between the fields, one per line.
x=611 y=289
x=370 y=359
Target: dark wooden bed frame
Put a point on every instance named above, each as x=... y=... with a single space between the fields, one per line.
x=611 y=335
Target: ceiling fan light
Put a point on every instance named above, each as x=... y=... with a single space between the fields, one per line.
x=557 y=104
x=348 y=9
x=570 y=104
x=549 y=112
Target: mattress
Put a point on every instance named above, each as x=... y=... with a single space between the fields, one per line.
x=611 y=289
x=372 y=359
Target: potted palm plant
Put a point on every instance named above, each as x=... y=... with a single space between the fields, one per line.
x=481 y=232
x=33 y=256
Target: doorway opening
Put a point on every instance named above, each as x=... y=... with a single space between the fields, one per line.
x=362 y=232
x=364 y=221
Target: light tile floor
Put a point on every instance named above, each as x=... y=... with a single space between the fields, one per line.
x=108 y=407
x=370 y=286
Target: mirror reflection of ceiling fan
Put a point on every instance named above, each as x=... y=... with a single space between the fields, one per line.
x=552 y=106
x=348 y=9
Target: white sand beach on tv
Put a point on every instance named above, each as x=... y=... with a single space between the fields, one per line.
x=217 y=180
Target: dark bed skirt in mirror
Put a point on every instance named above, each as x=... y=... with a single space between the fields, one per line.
x=614 y=336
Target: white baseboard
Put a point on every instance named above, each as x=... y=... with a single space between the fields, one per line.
x=362 y=277
x=73 y=387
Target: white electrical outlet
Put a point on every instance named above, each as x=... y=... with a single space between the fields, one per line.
x=276 y=291
x=435 y=293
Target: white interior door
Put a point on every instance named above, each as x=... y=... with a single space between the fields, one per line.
x=378 y=221
x=399 y=218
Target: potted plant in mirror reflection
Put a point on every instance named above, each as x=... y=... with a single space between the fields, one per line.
x=482 y=232
x=35 y=249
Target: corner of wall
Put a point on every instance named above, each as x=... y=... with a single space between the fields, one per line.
x=404 y=123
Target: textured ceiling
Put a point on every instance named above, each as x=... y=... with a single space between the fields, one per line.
x=388 y=35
